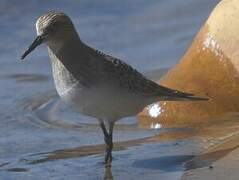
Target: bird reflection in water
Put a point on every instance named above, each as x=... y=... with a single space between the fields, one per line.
x=108 y=173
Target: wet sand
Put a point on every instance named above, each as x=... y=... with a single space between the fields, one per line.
x=219 y=162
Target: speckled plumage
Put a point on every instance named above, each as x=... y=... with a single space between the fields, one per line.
x=92 y=82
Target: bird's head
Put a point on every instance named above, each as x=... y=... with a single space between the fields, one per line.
x=52 y=28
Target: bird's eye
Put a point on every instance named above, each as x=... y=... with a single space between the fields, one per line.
x=52 y=27
x=49 y=28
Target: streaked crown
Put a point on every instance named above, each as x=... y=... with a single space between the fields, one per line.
x=51 y=21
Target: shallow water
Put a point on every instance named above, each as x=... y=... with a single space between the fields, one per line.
x=40 y=138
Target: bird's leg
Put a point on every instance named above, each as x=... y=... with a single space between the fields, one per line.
x=108 y=137
x=109 y=146
x=102 y=125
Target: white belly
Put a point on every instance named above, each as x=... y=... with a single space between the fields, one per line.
x=101 y=102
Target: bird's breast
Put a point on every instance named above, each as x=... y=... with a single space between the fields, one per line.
x=64 y=80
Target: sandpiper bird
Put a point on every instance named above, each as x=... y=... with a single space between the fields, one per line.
x=93 y=83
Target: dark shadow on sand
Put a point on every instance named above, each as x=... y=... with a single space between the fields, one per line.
x=164 y=163
x=207 y=159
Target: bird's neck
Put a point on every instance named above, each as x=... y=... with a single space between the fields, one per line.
x=66 y=42
x=69 y=57
x=69 y=50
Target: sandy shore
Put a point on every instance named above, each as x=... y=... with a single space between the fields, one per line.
x=220 y=162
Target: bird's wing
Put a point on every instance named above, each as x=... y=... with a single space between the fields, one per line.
x=130 y=78
x=133 y=81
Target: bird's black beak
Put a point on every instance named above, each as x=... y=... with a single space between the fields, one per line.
x=35 y=43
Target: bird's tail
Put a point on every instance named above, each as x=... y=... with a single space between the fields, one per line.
x=188 y=98
x=180 y=96
x=168 y=94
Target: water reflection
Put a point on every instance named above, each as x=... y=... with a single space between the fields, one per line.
x=108 y=173
x=23 y=78
x=80 y=151
x=155 y=126
x=154 y=110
